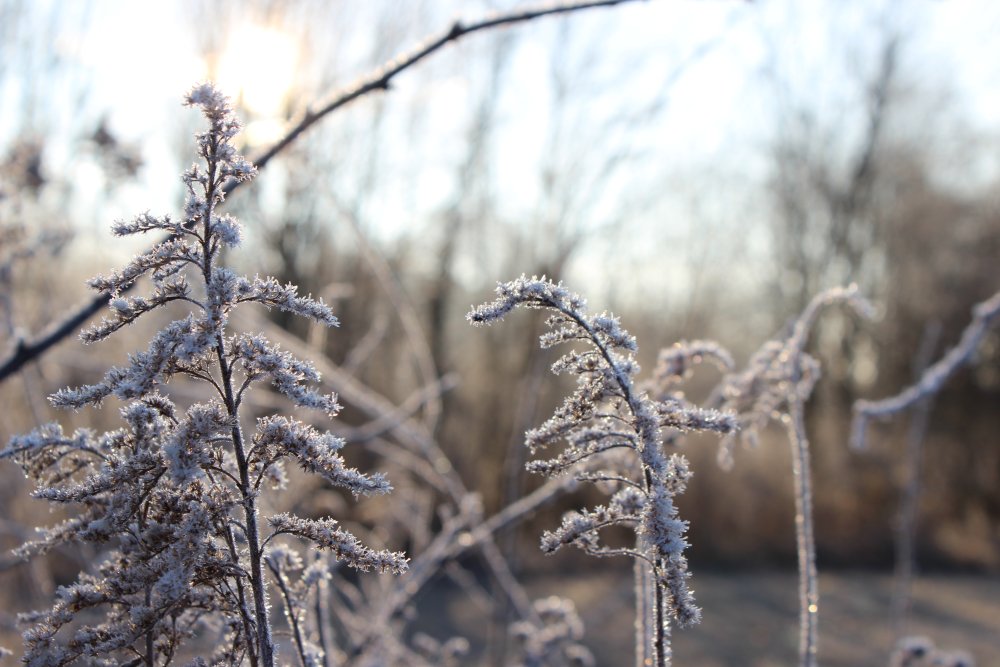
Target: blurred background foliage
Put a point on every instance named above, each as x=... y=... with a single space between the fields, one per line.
x=701 y=169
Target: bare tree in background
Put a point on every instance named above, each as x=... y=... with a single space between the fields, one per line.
x=825 y=229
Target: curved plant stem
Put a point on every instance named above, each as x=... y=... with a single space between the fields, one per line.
x=805 y=541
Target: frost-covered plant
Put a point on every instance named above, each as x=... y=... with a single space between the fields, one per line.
x=984 y=316
x=776 y=384
x=175 y=494
x=448 y=653
x=917 y=398
x=921 y=652
x=614 y=436
x=553 y=638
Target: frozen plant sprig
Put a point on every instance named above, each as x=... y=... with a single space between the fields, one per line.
x=921 y=652
x=448 y=653
x=298 y=585
x=613 y=436
x=916 y=398
x=676 y=363
x=174 y=494
x=553 y=639
x=932 y=380
x=778 y=376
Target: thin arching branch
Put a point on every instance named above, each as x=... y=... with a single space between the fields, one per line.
x=382 y=77
x=26 y=351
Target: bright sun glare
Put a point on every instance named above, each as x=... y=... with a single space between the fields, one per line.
x=256 y=68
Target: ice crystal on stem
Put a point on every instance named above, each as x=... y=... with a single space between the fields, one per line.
x=174 y=494
x=605 y=416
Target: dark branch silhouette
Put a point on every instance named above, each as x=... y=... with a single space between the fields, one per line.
x=382 y=77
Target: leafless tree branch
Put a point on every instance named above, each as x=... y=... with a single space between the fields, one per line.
x=26 y=351
x=381 y=78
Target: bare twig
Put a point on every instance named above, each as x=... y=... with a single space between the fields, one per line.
x=453 y=541
x=406 y=410
x=416 y=337
x=27 y=351
x=290 y=611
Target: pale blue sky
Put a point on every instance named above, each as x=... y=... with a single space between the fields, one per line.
x=138 y=57
x=711 y=65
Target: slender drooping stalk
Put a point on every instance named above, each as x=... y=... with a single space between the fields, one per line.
x=778 y=381
x=614 y=436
